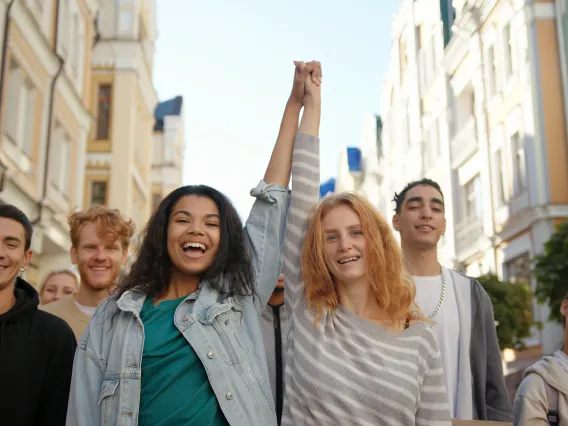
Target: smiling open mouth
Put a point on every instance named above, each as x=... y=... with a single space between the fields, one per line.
x=194 y=249
x=349 y=260
x=425 y=228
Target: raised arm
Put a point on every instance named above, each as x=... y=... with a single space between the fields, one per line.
x=279 y=167
x=264 y=229
x=305 y=194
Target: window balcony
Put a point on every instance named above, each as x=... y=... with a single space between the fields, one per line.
x=464 y=143
x=469 y=233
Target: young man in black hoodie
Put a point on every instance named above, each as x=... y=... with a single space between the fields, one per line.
x=36 y=348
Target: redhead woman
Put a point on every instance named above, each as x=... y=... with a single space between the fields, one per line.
x=179 y=343
x=359 y=351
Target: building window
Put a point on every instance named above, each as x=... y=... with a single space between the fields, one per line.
x=103 y=111
x=465 y=108
x=499 y=173
x=403 y=60
x=420 y=35
x=142 y=33
x=60 y=161
x=64 y=28
x=519 y=164
x=472 y=197
x=518 y=270
x=99 y=192
x=125 y=21
x=20 y=109
x=168 y=153
x=379 y=135
x=431 y=151
x=440 y=130
x=507 y=50
x=408 y=124
x=436 y=63
x=492 y=71
x=76 y=45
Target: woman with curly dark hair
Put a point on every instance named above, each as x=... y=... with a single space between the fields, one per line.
x=179 y=342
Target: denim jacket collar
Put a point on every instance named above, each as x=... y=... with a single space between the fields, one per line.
x=208 y=302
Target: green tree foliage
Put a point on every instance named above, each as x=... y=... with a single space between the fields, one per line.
x=551 y=272
x=512 y=306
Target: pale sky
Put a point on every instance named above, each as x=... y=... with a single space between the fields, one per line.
x=232 y=63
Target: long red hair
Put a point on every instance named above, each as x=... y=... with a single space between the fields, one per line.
x=392 y=286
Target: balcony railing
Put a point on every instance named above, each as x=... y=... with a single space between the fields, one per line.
x=464 y=143
x=468 y=234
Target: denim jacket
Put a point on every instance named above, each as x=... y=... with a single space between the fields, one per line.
x=224 y=332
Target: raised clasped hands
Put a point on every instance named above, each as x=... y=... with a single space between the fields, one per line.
x=307 y=82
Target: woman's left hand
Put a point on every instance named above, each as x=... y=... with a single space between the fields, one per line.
x=304 y=72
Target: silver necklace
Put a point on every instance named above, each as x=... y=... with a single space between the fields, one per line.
x=442 y=297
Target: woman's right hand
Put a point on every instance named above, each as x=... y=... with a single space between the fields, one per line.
x=312 y=95
x=307 y=79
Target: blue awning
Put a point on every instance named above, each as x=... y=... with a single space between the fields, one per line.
x=354 y=159
x=327 y=187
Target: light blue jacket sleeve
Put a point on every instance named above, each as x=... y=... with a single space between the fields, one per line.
x=264 y=232
x=85 y=394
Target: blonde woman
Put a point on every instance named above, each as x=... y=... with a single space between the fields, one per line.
x=57 y=284
x=359 y=351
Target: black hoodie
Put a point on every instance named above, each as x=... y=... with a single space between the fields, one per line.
x=36 y=360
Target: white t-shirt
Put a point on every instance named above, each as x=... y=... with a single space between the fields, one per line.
x=87 y=310
x=446 y=327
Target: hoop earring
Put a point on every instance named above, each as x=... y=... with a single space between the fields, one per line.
x=22 y=270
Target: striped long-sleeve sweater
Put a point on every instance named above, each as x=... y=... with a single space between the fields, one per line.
x=348 y=370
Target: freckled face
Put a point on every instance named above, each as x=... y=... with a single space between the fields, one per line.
x=346 y=246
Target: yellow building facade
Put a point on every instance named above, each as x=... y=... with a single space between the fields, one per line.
x=76 y=114
x=122 y=102
x=45 y=82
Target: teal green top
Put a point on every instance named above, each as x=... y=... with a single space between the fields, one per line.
x=175 y=388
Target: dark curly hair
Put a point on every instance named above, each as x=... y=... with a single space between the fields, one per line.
x=399 y=198
x=10 y=211
x=151 y=271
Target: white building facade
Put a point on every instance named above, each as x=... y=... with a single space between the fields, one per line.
x=414 y=104
x=477 y=106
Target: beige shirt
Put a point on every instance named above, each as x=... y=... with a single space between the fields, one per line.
x=66 y=309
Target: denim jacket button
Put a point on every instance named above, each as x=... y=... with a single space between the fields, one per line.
x=186 y=317
x=210 y=354
x=229 y=395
